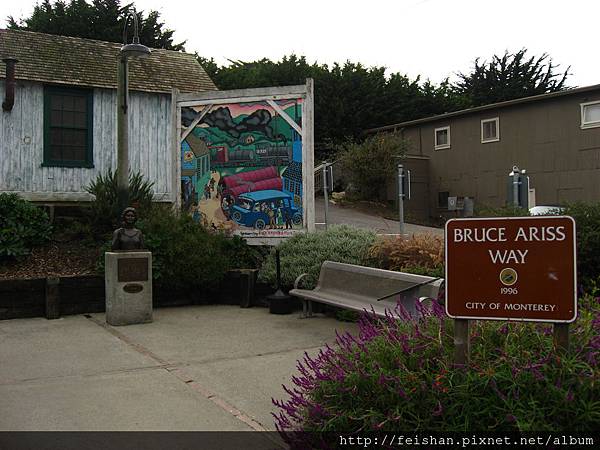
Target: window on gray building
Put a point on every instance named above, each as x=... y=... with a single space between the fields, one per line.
x=490 y=130
x=442 y=138
x=67 y=127
x=590 y=114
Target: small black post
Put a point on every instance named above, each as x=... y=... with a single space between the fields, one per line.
x=279 y=303
x=247 y=280
x=278 y=265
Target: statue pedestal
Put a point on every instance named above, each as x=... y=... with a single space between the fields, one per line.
x=128 y=281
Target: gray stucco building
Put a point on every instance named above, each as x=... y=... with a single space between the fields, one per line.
x=469 y=153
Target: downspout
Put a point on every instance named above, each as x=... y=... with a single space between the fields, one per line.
x=9 y=88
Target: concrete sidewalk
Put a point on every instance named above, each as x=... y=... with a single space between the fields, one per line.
x=197 y=368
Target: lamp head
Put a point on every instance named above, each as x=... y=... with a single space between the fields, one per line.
x=135 y=49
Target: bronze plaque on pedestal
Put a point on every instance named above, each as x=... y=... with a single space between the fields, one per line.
x=132 y=269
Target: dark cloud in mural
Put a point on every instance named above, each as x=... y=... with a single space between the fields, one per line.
x=187 y=116
x=258 y=121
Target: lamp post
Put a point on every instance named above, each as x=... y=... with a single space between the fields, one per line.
x=132 y=50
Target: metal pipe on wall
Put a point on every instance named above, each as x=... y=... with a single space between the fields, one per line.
x=9 y=88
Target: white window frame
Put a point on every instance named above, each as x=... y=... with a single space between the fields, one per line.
x=494 y=139
x=588 y=124
x=441 y=146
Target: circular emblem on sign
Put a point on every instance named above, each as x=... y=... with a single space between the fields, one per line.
x=508 y=276
x=188 y=156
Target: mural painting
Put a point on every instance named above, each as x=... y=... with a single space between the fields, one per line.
x=242 y=168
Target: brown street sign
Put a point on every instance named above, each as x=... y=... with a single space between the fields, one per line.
x=515 y=268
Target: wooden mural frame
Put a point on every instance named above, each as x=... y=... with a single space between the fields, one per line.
x=270 y=96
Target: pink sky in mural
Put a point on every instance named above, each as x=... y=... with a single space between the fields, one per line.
x=247 y=108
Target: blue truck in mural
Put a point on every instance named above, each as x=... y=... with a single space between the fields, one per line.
x=269 y=209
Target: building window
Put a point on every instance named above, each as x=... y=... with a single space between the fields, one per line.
x=442 y=138
x=590 y=114
x=68 y=127
x=443 y=199
x=490 y=130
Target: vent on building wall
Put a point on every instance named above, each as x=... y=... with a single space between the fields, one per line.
x=9 y=88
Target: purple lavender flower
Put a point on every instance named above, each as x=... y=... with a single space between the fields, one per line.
x=569 y=397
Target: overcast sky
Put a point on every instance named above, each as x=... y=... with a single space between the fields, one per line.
x=434 y=38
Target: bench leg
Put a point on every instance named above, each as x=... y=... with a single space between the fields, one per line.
x=306 y=309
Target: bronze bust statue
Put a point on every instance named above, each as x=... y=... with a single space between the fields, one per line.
x=128 y=237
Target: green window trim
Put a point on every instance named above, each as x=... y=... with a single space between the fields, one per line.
x=88 y=94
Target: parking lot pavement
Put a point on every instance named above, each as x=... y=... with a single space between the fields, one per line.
x=197 y=368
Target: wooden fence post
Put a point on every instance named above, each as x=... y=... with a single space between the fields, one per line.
x=52 y=298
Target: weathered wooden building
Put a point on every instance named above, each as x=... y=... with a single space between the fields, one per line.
x=58 y=126
x=469 y=153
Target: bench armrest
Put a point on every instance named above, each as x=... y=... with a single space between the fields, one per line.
x=298 y=279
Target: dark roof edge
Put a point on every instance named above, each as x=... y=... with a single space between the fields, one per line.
x=86 y=85
x=462 y=112
x=91 y=41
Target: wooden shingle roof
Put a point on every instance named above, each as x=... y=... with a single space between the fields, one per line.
x=86 y=62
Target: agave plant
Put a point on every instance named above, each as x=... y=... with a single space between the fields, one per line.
x=104 y=211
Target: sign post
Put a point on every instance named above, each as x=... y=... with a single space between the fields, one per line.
x=516 y=268
x=403 y=192
x=561 y=337
x=325 y=197
x=462 y=345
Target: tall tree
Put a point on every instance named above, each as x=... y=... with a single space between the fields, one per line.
x=101 y=19
x=349 y=97
x=510 y=76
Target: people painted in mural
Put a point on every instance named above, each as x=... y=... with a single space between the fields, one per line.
x=247 y=166
x=287 y=217
x=196 y=214
x=271 y=213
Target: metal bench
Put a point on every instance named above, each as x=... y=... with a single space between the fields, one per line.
x=360 y=288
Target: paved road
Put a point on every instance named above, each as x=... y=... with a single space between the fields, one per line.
x=197 y=368
x=350 y=216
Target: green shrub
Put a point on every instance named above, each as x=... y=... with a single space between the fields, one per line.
x=243 y=256
x=587 y=221
x=22 y=226
x=398 y=375
x=185 y=256
x=370 y=165
x=304 y=253
x=504 y=211
x=104 y=213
